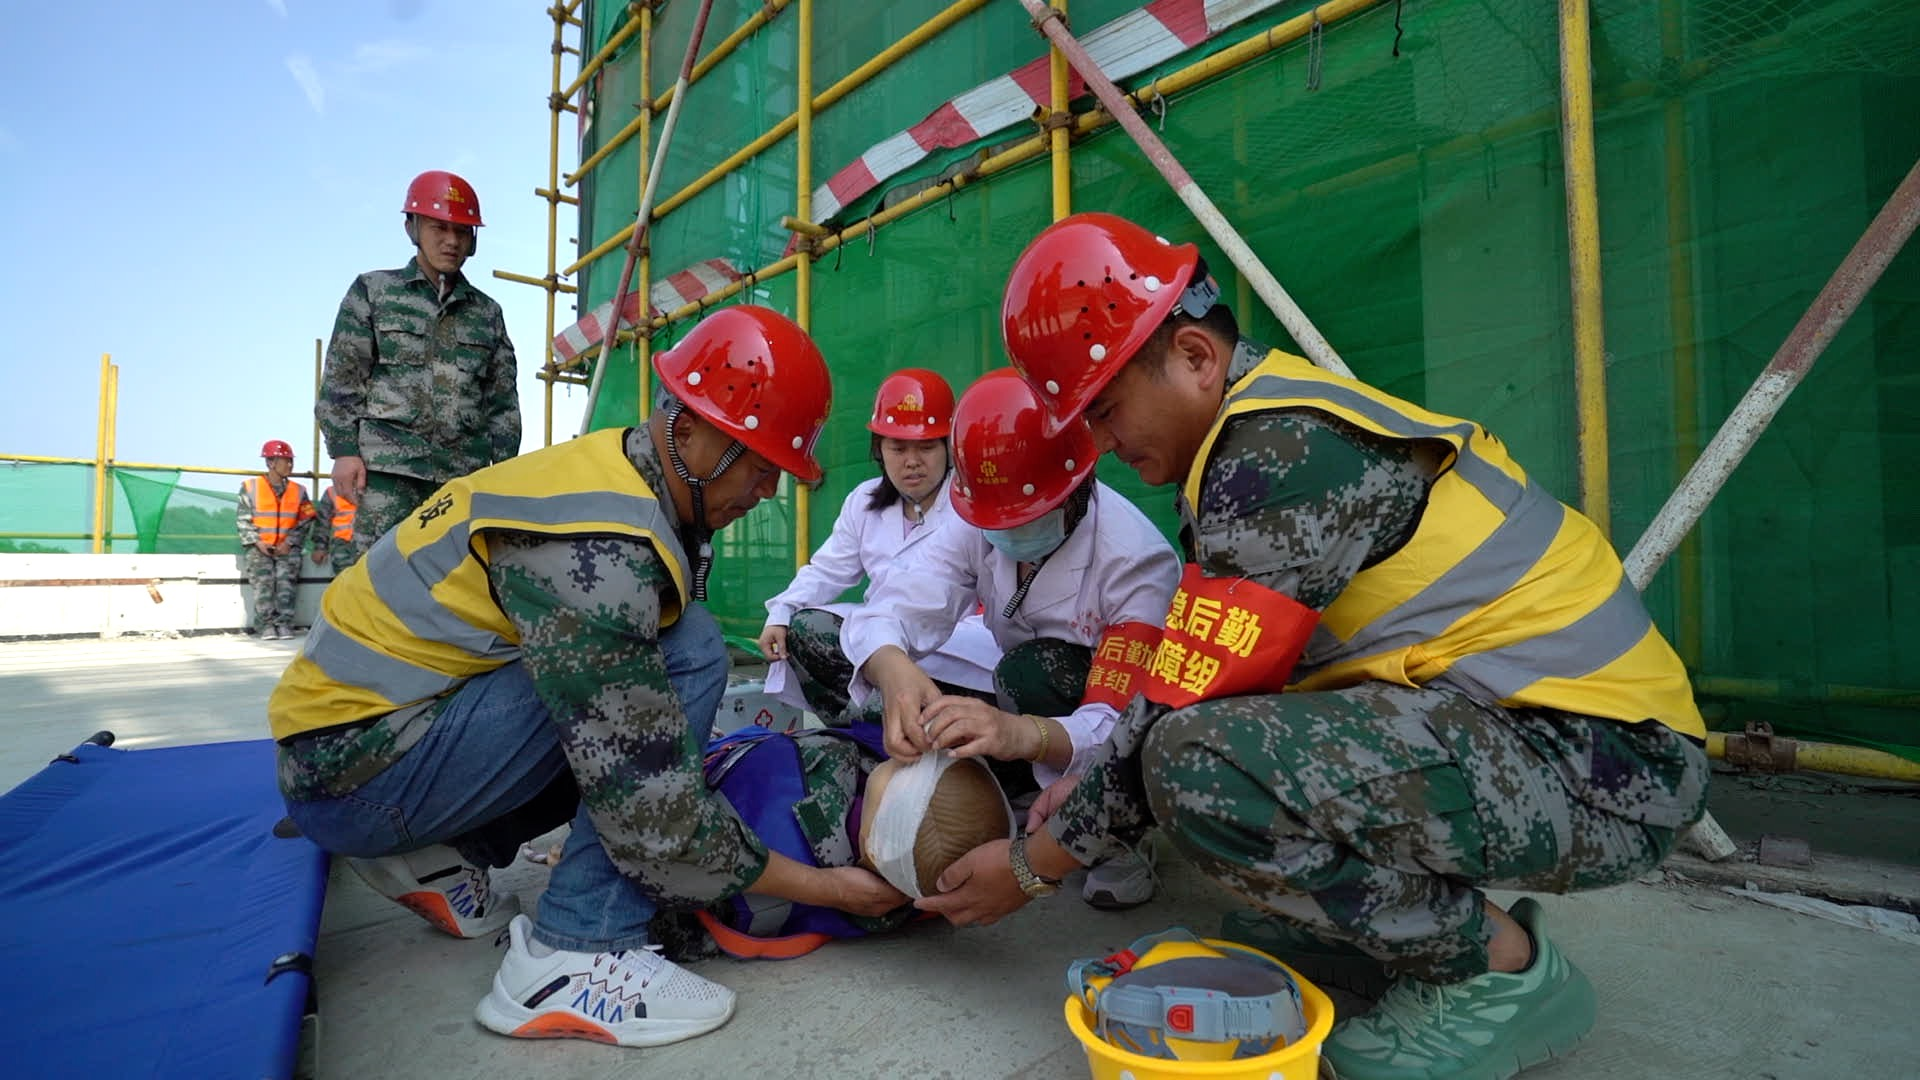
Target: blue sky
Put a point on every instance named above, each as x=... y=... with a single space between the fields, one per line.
x=192 y=187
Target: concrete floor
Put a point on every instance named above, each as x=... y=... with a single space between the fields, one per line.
x=1693 y=982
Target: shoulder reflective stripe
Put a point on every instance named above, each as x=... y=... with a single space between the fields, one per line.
x=404 y=584
x=1582 y=647
x=491 y=509
x=1520 y=541
x=350 y=663
x=1272 y=386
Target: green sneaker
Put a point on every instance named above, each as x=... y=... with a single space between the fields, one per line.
x=1485 y=1028
x=1325 y=963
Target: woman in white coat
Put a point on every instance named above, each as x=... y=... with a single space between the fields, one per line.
x=880 y=522
x=1075 y=582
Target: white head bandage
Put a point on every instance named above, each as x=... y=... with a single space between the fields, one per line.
x=895 y=827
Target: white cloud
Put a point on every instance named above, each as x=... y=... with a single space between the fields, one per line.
x=303 y=73
x=279 y=6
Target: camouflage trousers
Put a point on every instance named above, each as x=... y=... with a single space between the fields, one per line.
x=275 y=580
x=1041 y=676
x=342 y=554
x=1373 y=814
x=385 y=502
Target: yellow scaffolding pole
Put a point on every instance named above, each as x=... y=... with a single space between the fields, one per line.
x=113 y=447
x=1278 y=36
x=719 y=53
x=1058 y=117
x=101 y=419
x=919 y=36
x=643 y=284
x=554 y=102
x=157 y=466
x=1583 y=253
x=600 y=56
x=803 y=269
x=318 y=369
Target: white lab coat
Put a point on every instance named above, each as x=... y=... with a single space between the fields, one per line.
x=867 y=544
x=1114 y=568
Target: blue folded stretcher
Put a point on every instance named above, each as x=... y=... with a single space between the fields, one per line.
x=151 y=921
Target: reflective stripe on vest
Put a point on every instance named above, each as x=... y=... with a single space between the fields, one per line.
x=1503 y=592
x=416 y=618
x=275 y=515
x=343 y=512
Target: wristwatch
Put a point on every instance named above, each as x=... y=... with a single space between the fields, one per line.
x=1030 y=883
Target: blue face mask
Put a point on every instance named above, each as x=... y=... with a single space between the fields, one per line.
x=1033 y=541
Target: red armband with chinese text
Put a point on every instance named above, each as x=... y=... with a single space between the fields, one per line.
x=1226 y=636
x=1120 y=664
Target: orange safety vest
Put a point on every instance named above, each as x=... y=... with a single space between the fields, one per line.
x=343 y=511
x=276 y=515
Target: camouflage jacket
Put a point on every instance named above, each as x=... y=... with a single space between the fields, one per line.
x=419 y=385
x=1291 y=499
x=250 y=533
x=587 y=610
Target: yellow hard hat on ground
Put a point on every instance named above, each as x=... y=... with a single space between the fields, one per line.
x=1175 y=995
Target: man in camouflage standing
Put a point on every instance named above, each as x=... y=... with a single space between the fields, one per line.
x=1396 y=671
x=419 y=379
x=527 y=648
x=273 y=517
x=332 y=533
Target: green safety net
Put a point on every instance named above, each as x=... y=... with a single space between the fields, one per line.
x=48 y=509
x=1402 y=174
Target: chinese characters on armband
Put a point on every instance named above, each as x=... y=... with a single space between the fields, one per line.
x=1226 y=636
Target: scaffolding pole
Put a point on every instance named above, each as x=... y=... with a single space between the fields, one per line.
x=1756 y=409
x=745 y=30
x=1279 y=35
x=1059 y=120
x=101 y=419
x=803 y=270
x=1583 y=258
x=644 y=216
x=915 y=38
x=1310 y=340
x=319 y=368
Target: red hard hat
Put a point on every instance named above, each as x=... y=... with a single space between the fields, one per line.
x=1081 y=300
x=1007 y=471
x=753 y=373
x=440 y=194
x=913 y=403
x=276 y=448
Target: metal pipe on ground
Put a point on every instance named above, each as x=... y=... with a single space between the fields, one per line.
x=643 y=217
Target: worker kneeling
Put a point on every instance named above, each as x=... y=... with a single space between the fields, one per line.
x=528 y=648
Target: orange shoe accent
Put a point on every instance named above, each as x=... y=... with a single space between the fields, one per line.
x=747 y=947
x=432 y=907
x=560 y=1025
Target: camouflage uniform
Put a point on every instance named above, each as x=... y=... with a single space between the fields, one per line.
x=815 y=656
x=340 y=553
x=587 y=611
x=420 y=386
x=275 y=578
x=1369 y=814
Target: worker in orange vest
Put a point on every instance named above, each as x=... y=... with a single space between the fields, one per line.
x=332 y=532
x=273 y=517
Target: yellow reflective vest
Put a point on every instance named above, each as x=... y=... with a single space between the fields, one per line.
x=1503 y=592
x=416 y=618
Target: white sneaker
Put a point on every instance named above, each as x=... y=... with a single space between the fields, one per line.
x=1121 y=883
x=436 y=884
x=634 y=997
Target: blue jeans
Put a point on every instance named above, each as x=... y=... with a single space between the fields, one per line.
x=491 y=751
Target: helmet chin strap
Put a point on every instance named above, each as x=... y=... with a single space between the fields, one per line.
x=697 y=488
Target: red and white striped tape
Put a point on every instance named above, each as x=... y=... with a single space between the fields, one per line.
x=700 y=280
x=1126 y=46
